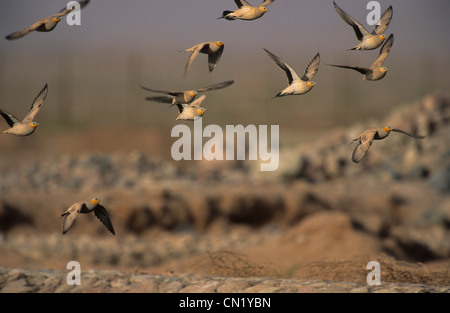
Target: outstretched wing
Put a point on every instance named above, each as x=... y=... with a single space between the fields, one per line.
x=70 y=216
x=267 y=2
x=362 y=70
x=363 y=146
x=408 y=134
x=9 y=118
x=312 y=68
x=384 y=52
x=168 y=92
x=198 y=101
x=216 y=86
x=101 y=213
x=214 y=58
x=195 y=51
x=36 y=105
x=161 y=99
x=290 y=72
x=241 y=3
x=64 y=11
x=384 y=22
x=360 y=31
x=25 y=31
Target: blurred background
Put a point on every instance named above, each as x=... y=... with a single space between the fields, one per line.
x=95 y=70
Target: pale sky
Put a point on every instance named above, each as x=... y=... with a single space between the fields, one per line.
x=123 y=44
x=308 y=25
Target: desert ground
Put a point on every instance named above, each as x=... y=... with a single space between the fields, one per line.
x=311 y=226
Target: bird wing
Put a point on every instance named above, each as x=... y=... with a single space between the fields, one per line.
x=214 y=58
x=161 y=99
x=64 y=11
x=36 y=105
x=25 y=31
x=216 y=86
x=312 y=68
x=406 y=133
x=169 y=92
x=195 y=51
x=290 y=72
x=181 y=107
x=70 y=216
x=9 y=118
x=360 y=31
x=384 y=52
x=198 y=101
x=362 y=70
x=384 y=22
x=241 y=3
x=364 y=143
x=267 y=2
x=101 y=213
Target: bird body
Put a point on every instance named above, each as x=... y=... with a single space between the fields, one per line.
x=368 y=41
x=26 y=126
x=213 y=49
x=376 y=71
x=84 y=208
x=366 y=138
x=297 y=85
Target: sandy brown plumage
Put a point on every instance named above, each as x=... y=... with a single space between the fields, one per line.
x=366 y=138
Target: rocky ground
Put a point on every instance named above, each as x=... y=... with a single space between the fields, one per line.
x=224 y=226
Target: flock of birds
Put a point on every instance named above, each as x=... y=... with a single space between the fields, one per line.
x=189 y=105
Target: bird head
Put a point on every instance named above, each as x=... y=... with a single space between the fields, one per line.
x=56 y=19
x=201 y=111
x=95 y=201
x=382 y=37
x=383 y=69
x=219 y=43
x=311 y=84
x=33 y=124
x=193 y=93
x=263 y=9
x=387 y=129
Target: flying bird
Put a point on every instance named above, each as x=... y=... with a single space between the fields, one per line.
x=26 y=126
x=180 y=97
x=46 y=24
x=368 y=41
x=213 y=49
x=246 y=11
x=297 y=85
x=191 y=111
x=366 y=138
x=81 y=207
x=376 y=71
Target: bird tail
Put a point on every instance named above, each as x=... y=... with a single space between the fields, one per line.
x=278 y=95
x=224 y=15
